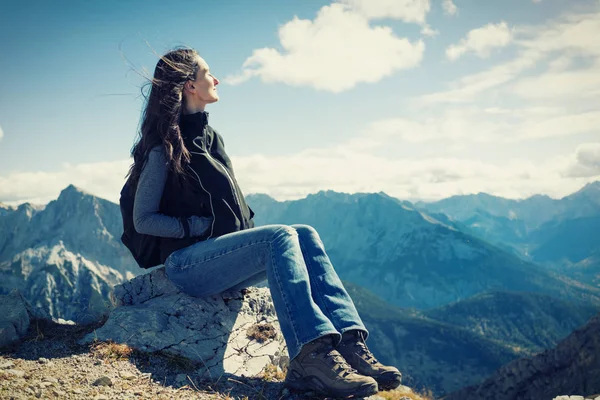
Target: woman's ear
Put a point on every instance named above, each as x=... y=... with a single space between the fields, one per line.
x=189 y=85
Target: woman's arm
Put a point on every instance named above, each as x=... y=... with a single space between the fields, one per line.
x=146 y=216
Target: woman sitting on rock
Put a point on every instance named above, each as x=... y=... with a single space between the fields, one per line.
x=188 y=195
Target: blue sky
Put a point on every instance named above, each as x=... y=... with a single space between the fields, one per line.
x=420 y=99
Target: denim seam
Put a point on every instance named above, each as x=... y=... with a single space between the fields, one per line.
x=356 y=327
x=186 y=266
x=317 y=285
x=275 y=273
x=314 y=338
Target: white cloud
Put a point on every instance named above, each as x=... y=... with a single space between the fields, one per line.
x=469 y=126
x=455 y=125
x=334 y=52
x=586 y=162
x=352 y=170
x=449 y=7
x=1 y=133
x=103 y=179
x=560 y=41
x=559 y=125
x=465 y=89
x=429 y=31
x=414 y=11
x=349 y=167
x=579 y=84
x=481 y=41
x=574 y=32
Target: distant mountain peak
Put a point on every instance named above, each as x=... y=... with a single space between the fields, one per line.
x=590 y=190
x=73 y=189
x=72 y=194
x=595 y=186
x=260 y=196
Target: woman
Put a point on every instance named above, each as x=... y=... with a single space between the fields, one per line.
x=187 y=194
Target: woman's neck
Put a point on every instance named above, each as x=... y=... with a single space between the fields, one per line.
x=193 y=108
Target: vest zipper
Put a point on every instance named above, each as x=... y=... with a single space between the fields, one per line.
x=212 y=226
x=235 y=194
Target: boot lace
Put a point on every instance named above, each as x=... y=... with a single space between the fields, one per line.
x=339 y=363
x=366 y=353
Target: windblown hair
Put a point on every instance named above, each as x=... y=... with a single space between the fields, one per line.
x=160 y=118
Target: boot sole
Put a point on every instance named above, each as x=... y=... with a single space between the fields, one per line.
x=388 y=381
x=314 y=384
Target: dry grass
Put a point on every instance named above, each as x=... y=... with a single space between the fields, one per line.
x=395 y=395
x=272 y=373
x=111 y=351
x=177 y=362
x=261 y=332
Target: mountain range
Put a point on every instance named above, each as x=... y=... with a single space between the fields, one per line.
x=563 y=234
x=572 y=367
x=442 y=302
x=65 y=257
x=408 y=256
x=461 y=344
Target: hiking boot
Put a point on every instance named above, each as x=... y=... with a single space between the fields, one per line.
x=354 y=349
x=320 y=368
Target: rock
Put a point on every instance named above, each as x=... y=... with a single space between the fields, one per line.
x=127 y=375
x=15 y=372
x=7 y=365
x=14 y=319
x=77 y=391
x=153 y=315
x=50 y=379
x=103 y=381
x=43 y=360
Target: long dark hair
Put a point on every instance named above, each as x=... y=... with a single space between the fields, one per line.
x=161 y=115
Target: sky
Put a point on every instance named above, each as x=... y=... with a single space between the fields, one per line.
x=420 y=99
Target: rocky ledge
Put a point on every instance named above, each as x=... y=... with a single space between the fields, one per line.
x=232 y=333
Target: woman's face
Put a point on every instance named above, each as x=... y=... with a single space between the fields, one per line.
x=203 y=89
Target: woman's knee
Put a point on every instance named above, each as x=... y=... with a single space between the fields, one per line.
x=281 y=231
x=305 y=230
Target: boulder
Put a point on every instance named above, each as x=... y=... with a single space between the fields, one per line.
x=14 y=318
x=232 y=333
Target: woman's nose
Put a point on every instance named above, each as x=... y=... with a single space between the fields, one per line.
x=216 y=81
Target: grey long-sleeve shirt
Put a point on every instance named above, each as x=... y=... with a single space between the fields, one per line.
x=146 y=216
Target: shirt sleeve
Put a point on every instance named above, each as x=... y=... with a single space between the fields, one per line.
x=146 y=216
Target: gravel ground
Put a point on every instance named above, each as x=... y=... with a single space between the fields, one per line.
x=48 y=363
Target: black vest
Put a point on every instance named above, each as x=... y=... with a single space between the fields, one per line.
x=208 y=189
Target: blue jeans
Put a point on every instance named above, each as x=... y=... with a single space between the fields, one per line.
x=309 y=298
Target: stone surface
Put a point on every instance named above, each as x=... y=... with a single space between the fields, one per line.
x=7 y=365
x=14 y=319
x=103 y=381
x=153 y=315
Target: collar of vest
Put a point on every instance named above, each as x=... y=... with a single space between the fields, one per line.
x=193 y=123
